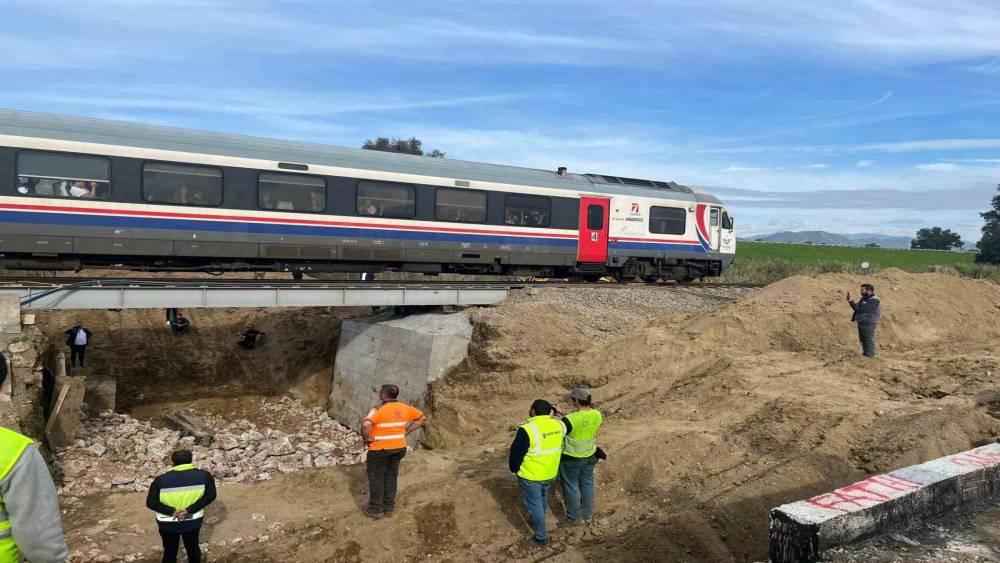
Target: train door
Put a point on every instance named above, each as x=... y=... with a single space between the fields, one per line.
x=593 y=245
x=714 y=226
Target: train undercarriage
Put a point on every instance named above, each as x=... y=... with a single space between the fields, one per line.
x=645 y=270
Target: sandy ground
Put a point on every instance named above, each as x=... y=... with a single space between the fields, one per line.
x=714 y=414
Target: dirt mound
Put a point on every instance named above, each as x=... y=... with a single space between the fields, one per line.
x=731 y=410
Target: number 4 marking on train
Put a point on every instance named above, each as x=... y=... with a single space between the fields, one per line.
x=593 y=237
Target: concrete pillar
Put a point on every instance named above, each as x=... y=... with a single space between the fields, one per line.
x=10 y=314
x=409 y=352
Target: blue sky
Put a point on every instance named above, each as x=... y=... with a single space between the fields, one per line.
x=854 y=116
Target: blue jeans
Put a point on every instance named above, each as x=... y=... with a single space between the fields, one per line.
x=536 y=498
x=577 y=476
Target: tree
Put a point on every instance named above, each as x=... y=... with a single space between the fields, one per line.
x=989 y=245
x=412 y=145
x=935 y=238
x=872 y=245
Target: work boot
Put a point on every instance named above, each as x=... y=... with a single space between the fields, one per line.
x=374 y=513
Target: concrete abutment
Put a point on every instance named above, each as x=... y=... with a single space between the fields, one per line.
x=410 y=352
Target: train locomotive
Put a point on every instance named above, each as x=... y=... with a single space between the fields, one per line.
x=83 y=193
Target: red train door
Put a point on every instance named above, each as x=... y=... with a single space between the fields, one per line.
x=593 y=245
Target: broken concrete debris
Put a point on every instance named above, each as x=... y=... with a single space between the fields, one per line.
x=190 y=424
x=115 y=451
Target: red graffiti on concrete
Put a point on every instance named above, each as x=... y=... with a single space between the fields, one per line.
x=981 y=457
x=864 y=494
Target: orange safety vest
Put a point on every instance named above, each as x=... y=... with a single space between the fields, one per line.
x=389 y=425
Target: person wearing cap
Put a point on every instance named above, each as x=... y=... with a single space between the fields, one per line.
x=534 y=458
x=579 y=457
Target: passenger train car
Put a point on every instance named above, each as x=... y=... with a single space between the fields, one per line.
x=78 y=193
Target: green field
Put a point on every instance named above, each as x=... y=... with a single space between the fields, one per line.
x=765 y=262
x=877 y=257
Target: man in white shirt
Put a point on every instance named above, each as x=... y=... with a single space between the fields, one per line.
x=77 y=339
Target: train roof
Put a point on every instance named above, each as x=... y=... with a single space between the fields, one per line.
x=103 y=131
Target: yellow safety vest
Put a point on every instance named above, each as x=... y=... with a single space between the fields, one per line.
x=12 y=445
x=545 y=436
x=582 y=439
x=179 y=498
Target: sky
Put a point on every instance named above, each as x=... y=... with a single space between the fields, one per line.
x=849 y=116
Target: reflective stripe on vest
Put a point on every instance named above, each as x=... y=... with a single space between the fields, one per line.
x=388 y=431
x=545 y=437
x=582 y=439
x=12 y=446
x=179 y=498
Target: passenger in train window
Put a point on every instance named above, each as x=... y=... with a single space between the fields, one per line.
x=22 y=185
x=286 y=205
x=80 y=188
x=511 y=218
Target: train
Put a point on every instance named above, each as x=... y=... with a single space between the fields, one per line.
x=81 y=193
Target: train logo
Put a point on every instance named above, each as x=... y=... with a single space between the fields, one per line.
x=635 y=208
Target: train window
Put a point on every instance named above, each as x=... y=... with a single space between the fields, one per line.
x=464 y=206
x=527 y=210
x=381 y=199
x=181 y=184
x=667 y=220
x=291 y=192
x=595 y=217
x=727 y=221
x=714 y=218
x=46 y=174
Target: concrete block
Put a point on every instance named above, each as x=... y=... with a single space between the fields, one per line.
x=101 y=393
x=409 y=352
x=60 y=431
x=188 y=423
x=801 y=530
x=10 y=313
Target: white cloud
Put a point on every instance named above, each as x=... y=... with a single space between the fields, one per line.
x=865 y=163
x=746 y=169
x=817 y=166
x=938 y=167
x=885 y=97
x=989 y=67
x=974 y=160
x=893 y=147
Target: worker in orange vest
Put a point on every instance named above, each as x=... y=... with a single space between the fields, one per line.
x=384 y=431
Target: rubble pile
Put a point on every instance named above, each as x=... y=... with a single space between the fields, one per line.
x=115 y=451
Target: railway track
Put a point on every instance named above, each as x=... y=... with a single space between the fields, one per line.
x=153 y=281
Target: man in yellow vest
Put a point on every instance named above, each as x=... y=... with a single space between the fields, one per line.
x=534 y=457
x=384 y=431
x=30 y=526
x=179 y=498
x=576 y=469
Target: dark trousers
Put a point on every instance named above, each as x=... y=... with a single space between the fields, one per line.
x=171 y=543
x=77 y=351
x=383 y=469
x=866 y=334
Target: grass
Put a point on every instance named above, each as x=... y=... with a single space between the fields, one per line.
x=762 y=262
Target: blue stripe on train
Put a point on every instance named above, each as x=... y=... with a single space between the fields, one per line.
x=267 y=228
x=657 y=246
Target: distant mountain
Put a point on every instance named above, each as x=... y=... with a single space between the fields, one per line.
x=836 y=239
